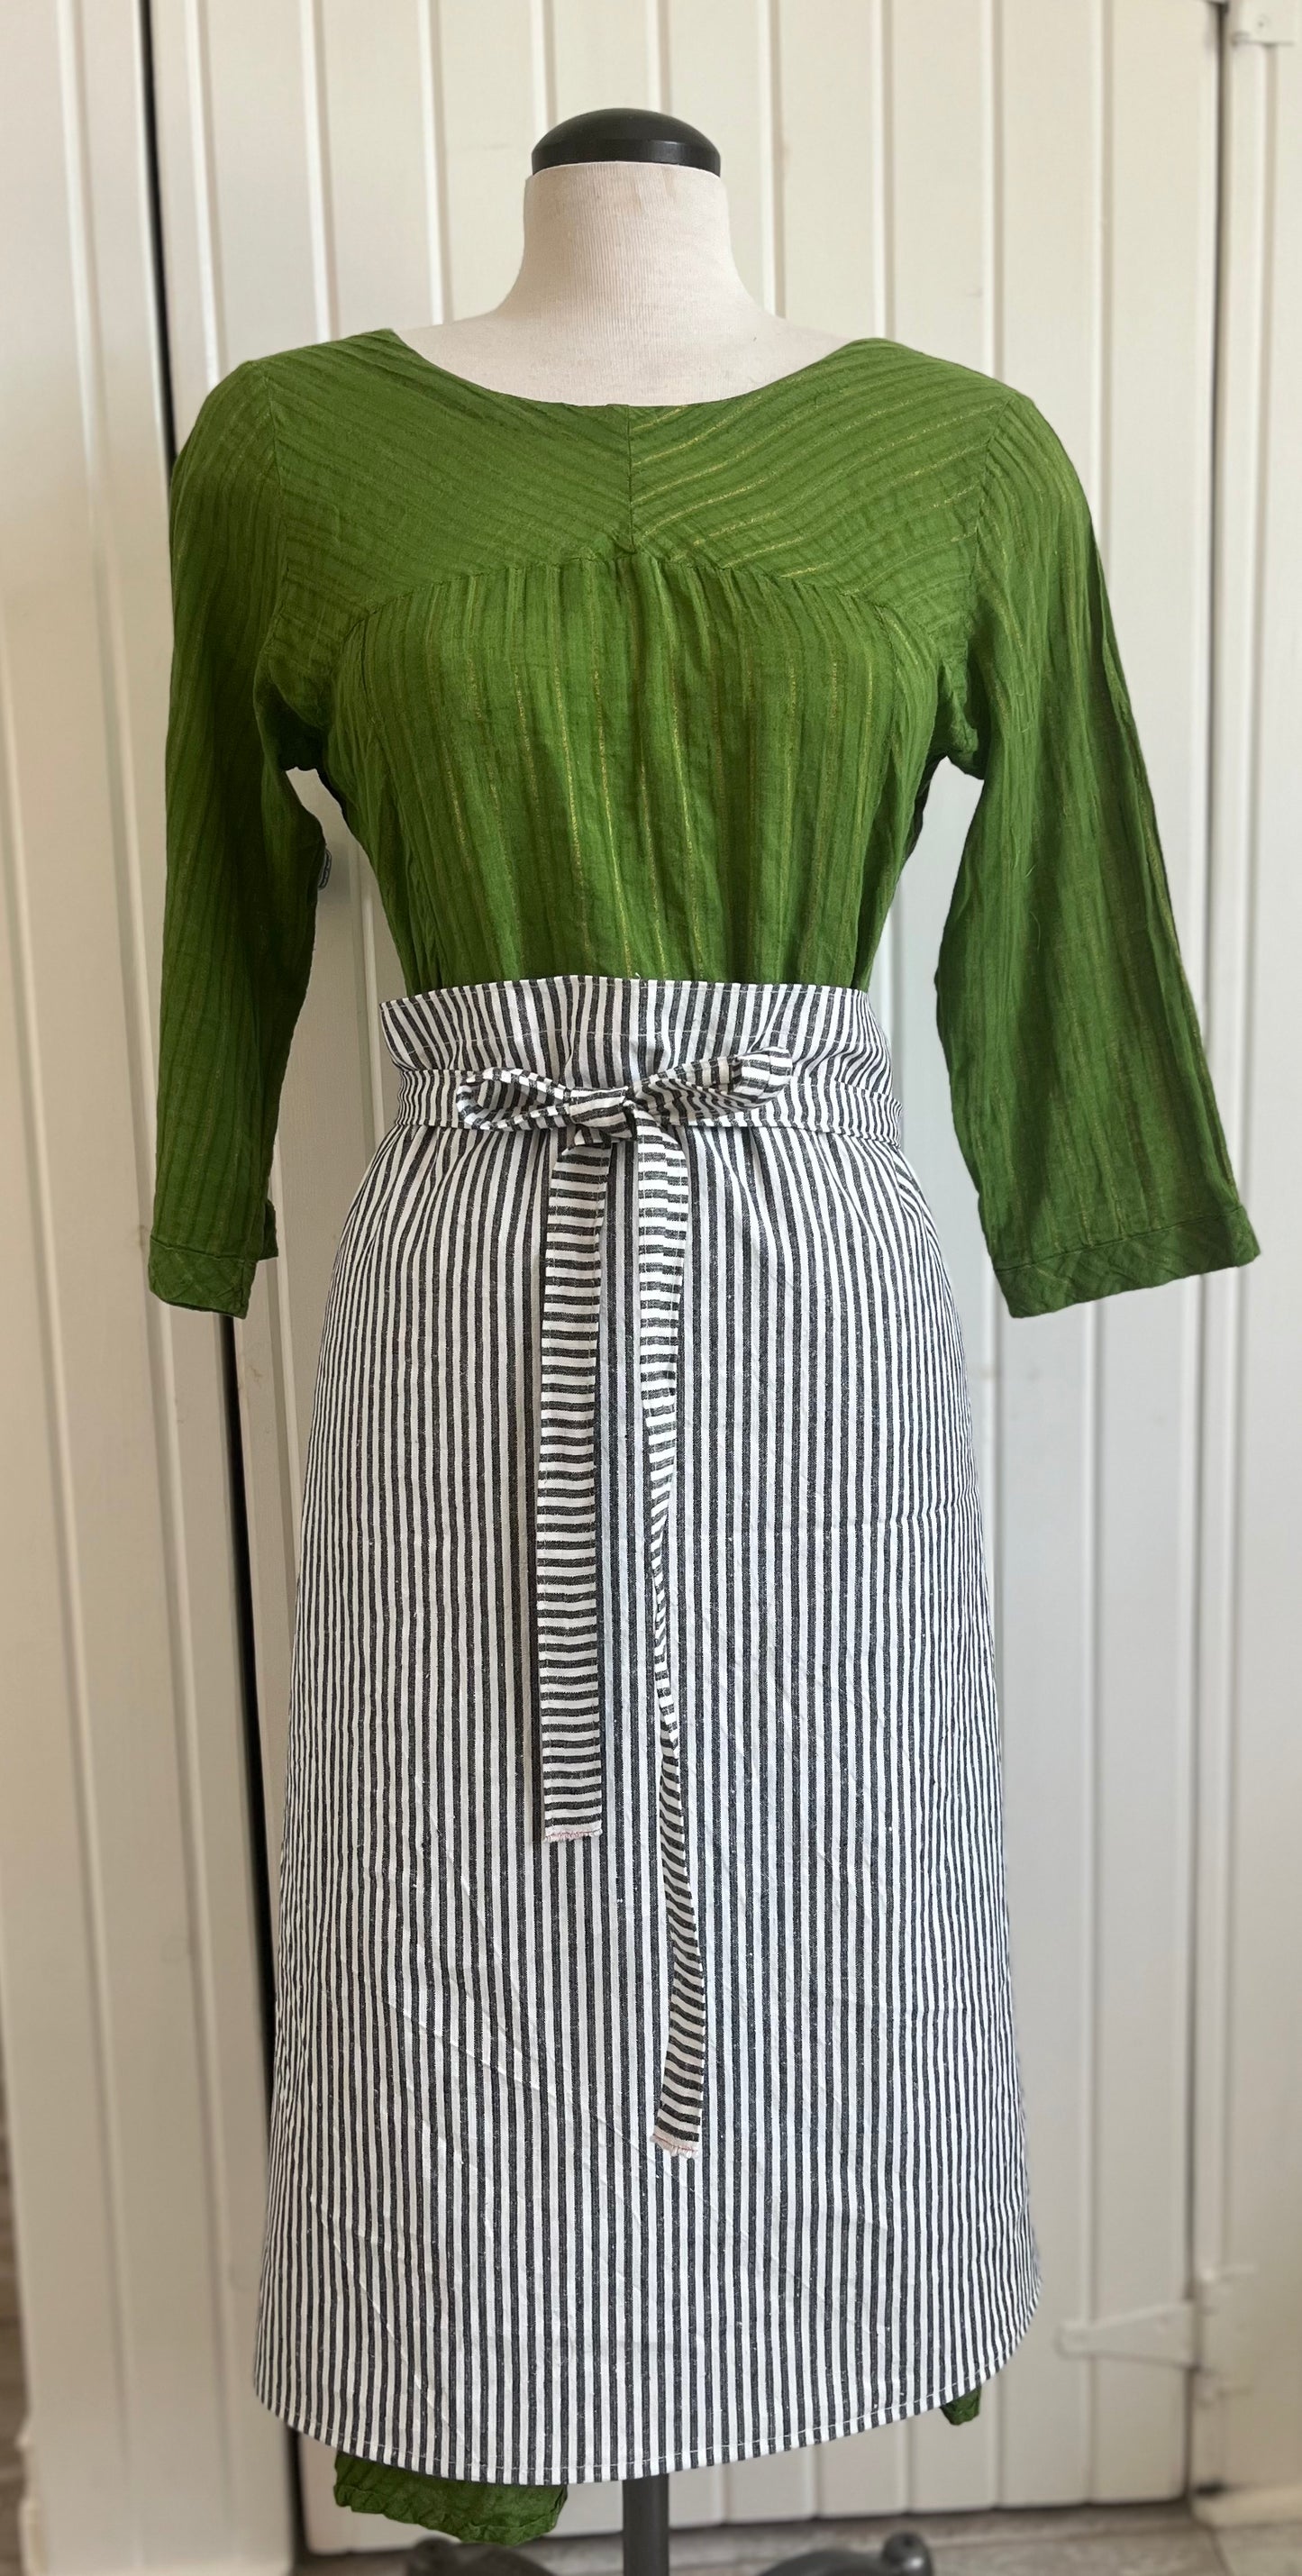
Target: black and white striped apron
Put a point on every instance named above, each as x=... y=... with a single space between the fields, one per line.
x=646 y=2085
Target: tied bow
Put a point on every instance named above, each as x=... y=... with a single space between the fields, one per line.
x=512 y=1096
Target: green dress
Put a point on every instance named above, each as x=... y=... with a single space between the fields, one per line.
x=660 y=691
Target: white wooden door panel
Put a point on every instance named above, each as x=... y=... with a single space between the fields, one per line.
x=1247 y=2140
x=830 y=225
x=1048 y=342
x=262 y=111
x=132 y=2038
x=1154 y=490
x=376 y=111
x=1092 y=1610
x=1031 y=192
x=489 y=89
x=1029 y=189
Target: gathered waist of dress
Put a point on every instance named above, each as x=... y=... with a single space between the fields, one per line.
x=601 y=1050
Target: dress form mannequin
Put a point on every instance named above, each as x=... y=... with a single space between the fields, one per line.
x=627 y=290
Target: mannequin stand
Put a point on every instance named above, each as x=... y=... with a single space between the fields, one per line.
x=646 y=2549
x=693 y=284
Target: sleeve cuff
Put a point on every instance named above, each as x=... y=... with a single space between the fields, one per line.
x=220 y=1283
x=1222 y=1239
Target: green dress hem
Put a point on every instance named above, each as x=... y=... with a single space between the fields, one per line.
x=467 y=2509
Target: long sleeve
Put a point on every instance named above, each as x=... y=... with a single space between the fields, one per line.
x=1081 y=1095
x=244 y=861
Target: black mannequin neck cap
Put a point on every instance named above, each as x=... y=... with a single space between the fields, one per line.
x=625 y=134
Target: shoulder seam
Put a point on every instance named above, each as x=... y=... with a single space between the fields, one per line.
x=978 y=523
x=282 y=513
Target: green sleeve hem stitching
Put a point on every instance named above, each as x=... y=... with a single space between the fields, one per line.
x=1227 y=1216
x=1184 y=1248
x=206 y=1251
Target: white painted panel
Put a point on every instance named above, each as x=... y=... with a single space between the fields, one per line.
x=720 y=77
x=378 y=110
x=939 y=295
x=1031 y=192
x=1159 y=287
x=1050 y=333
x=1248 y=2121
x=1012 y=170
x=131 y=2024
x=831 y=228
x=602 y=57
x=491 y=85
x=944 y=174
x=262 y=107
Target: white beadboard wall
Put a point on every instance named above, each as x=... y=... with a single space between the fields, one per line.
x=129 y=2001
x=1100 y=202
x=1246 y=2138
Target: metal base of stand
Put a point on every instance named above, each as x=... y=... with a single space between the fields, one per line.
x=646 y=2549
x=904 y=2554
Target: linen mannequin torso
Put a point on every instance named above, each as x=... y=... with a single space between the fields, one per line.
x=627 y=293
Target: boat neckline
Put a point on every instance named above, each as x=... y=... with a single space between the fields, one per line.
x=549 y=403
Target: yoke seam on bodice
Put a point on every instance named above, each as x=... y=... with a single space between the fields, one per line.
x=847 y=591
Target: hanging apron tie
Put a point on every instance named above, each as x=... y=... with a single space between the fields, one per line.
x=716 y=1090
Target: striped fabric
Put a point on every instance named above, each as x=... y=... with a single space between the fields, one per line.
x=639 y=1317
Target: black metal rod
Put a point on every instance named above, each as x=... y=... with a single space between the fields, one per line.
x=646 y=2526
